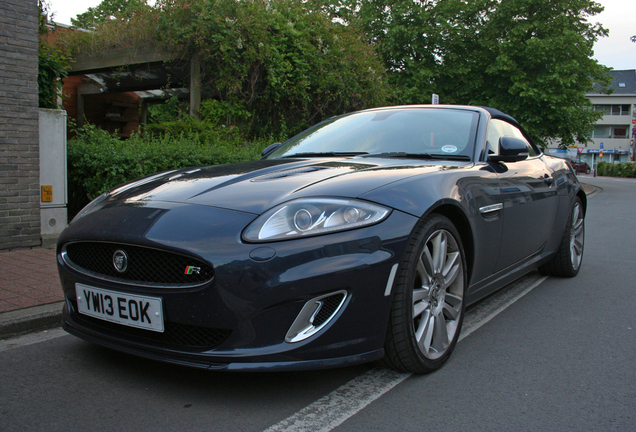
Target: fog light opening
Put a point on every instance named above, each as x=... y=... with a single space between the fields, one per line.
x=315 y=315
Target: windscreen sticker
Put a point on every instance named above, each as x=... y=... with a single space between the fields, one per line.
x=449 y=149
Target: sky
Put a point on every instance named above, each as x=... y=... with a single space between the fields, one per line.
x=615 y=51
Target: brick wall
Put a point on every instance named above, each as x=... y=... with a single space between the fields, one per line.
x=19 y=136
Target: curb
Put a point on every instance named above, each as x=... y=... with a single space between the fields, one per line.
x=590 y=190
x=22 y=321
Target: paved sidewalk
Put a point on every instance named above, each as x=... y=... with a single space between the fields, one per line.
x=28 y=278
x=30 y=293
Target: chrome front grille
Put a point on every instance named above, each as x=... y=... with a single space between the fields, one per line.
x=144 y=266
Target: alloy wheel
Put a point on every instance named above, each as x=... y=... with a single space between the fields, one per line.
x=577 y=236
x=438 y=294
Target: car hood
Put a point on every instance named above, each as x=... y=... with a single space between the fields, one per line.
x=254 y=187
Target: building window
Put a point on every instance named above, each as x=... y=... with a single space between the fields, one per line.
x=620 y=132
x=606 y=109
x=614 y=109
x=610 y=132
x=601 y=132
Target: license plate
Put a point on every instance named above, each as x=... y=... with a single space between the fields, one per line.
x=126 y=309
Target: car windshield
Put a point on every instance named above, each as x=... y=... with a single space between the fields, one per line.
x=396 y=131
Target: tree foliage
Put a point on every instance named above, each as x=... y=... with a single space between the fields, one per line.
x=276 y=66
x=286 y=64
x=52 y=64
x=107 y=10
x=530 y=58
x=268 y=67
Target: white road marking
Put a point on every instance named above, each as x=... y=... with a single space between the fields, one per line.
x=335 y=408
x=330 y=411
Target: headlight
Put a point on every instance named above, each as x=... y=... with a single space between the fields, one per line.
x=313 y=216
x=90 y=206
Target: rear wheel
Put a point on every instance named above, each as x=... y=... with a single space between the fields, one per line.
x=428 y=305
x=568 y=258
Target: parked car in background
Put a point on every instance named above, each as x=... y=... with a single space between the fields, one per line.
x=363 y=238
x=580 y=166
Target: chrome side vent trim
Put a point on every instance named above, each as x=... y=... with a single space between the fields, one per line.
x=315 y=315
x=488 y=210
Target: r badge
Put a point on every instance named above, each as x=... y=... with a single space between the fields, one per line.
x=192 y=270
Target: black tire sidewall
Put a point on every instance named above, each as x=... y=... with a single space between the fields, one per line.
x=411 y=358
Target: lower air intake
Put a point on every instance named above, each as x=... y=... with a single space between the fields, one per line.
x=315 y=315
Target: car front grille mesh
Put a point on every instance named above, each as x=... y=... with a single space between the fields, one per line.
x=175 y=335
x=329 y=305
x=145 y=266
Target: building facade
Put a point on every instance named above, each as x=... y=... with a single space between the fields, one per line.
x=614 y=134
x=19 y=132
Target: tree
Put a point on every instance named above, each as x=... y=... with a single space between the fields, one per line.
x=530 y=58
x=286 y=63
x=271 y=67
x=52 y=63
x=540 y=66
x=107 y=10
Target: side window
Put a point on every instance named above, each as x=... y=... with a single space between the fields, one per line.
x=499 y=128
x=495 y=131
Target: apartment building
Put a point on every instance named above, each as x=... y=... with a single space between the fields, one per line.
x=614 y=134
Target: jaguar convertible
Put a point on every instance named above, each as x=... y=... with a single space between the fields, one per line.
x=363 y=238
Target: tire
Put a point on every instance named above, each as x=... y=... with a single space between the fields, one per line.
x=428 y=304
x=588 y=170
x=567 y=261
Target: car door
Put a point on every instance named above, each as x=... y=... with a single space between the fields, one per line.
x=529 y=199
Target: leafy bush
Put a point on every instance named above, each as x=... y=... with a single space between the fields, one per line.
x=617 y=170
x=99 y=161
x=52 y=63
x=273 y=67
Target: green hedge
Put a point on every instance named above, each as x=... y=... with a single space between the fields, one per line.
x=99 y=161
x=617 y=170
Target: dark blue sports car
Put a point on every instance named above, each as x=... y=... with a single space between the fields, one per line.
x=363 y=238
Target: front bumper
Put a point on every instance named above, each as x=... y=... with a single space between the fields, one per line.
x=256 y=294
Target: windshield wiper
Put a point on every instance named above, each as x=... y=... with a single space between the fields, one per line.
x=420 y=156
x=324 y=154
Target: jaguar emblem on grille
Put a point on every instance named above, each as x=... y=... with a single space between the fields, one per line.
x=120 y=261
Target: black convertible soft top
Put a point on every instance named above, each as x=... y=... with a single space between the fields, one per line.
x=496 y=114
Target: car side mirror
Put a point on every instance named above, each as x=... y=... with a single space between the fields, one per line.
x=510 y=150
x=270 y=148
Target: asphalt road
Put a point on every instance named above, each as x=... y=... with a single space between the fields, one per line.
x=543 y=354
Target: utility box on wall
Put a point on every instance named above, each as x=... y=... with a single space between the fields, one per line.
x=53 y=178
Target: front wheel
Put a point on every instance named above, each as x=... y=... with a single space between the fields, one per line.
x=428 y=305
x=567 y=261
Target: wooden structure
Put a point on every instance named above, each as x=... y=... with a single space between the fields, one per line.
x=112 y=89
